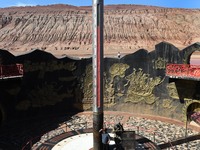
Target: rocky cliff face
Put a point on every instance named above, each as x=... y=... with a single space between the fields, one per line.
x=67 y=30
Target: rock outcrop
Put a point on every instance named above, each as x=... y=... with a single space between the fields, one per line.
x=67 y=30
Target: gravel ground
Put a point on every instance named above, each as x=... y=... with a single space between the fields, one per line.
x=155 y=130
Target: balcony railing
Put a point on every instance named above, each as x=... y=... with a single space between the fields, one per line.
x=11 y=71
x=183 y=71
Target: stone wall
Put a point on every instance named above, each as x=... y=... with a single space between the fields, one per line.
x=135 y=83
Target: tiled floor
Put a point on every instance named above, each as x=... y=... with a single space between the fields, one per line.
x=82 y=141
x=78 y=142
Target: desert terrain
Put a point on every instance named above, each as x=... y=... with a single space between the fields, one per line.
x=66 y=30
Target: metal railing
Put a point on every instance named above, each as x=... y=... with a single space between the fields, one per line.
x=47 y=135
x=154 y=136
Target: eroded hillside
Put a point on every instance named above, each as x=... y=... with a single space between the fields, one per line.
x=64 y=29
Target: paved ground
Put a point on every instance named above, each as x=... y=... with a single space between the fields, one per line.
x=157 y=129
x=78 y=142
x=82 y=142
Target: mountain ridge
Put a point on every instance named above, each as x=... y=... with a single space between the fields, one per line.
x=67 y=30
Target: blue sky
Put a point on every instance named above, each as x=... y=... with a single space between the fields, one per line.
x=163 y=3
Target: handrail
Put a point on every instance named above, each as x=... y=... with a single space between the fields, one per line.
x=39 y=136
x=171 y=146
x=149 y=134
x=183 y=140
x=30 y=143
x=169 y=141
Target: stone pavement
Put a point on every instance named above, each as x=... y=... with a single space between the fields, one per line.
x=157 y=129
x=77 y=142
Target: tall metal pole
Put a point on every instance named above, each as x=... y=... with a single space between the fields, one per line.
x=98 y=23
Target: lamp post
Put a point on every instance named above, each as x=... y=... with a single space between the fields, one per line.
x=97 y=72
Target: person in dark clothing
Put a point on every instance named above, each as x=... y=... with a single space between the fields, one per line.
x=105 y=138
x=118 y=131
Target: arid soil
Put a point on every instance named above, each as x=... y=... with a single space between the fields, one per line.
x=67 y=30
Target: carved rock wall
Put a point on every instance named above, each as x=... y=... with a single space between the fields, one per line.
x=135 y=83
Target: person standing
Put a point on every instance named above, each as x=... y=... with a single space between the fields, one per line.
x=118 y=55
x=105 y=138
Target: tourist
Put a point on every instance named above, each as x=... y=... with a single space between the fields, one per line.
x=118 y=55
x=105 y=137
x=118 y=130
x=118 y=127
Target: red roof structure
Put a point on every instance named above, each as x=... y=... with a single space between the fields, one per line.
x=183 y=71
x=11 y=71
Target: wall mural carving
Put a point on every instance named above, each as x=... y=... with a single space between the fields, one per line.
x=44 y=95
x=185 y=108
x=141 y=87
x=136 y=87
x=87 y=88
x=172 y=90
x=159 y=63
x=131 y=81
x=116 y=77
x=47 y=93
x=83 y=90
x=87 y=85
x=116 y=72
x=48 y=66
x=167 y=104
